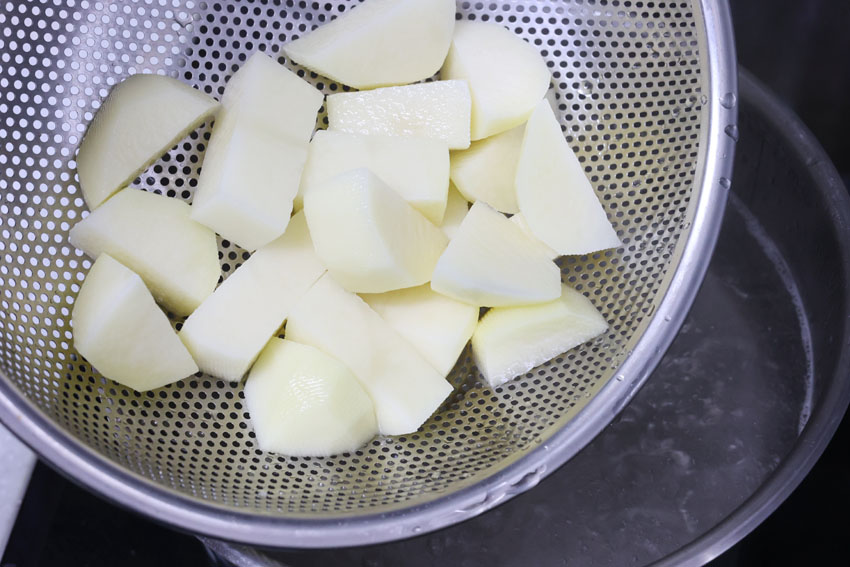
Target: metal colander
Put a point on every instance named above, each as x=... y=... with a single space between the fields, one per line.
x=644 y=90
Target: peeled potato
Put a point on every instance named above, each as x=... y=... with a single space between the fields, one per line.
x=122 y=332
x=490 y=262
x=370 y=239
x=253 y=164
x=486 y=170
x=303 y=402
x=510 y=341
x=520 y=221
x=507 y=77
x=437 y=326
x=379 y=43
x=456 y=209
x=248 y=183
x=228 y=330
x=438 y=110
x=404 y=388
x=154 y=236
x=416 y=168
x=141 y=119
x=554 y=194
x=268 y=93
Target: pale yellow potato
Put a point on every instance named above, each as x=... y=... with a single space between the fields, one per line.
x=123 y=333
x=437 y=326
x=520 y=221
x=379 y=43
x=554 y=194
x=491 y=262
x=507 y=77
x=227 y=332
x=456 y=209
x=256 y=153
x=486 y=171
x=154 y=236
x=510 y=341
x=438 y=110
x=305 y=403
x=141 y=119
x=404 y=388
x=416 y=168
x=370 y=239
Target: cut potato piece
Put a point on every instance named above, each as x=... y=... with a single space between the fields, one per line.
x=456 y=209
x=248 y=182
x=437 y=326
x=520 y=221
x=486 y=171
x=252 y=167
x=553 y=193
x=304 y=403
x=154 y=236
x=379 y=43
x=510 y=341
x=268 y=93
x=227 y=332
x=416 y=168
x=141 y=119
x=123 y=333
x=490 y=262
x=369 y=238
x=438 y=110
x=404 y=388
x=507 y=77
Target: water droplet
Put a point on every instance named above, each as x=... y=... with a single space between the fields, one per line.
x=692 y=102
x=619 y=377
x=729 y=100
x=732 y=131
x=725 y=182
x=667 y=318
x=585 y=88
x=435 y=475
x=417 y=529
x=675 y=111
x=703 y=99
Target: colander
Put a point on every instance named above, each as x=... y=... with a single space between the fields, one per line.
x=646 y=94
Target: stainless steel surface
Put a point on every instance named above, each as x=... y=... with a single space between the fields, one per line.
x=741 y=406
x=647 y=97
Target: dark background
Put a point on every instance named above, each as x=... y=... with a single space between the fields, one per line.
x=801 y=50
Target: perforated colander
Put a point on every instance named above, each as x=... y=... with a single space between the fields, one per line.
x=645 y=92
